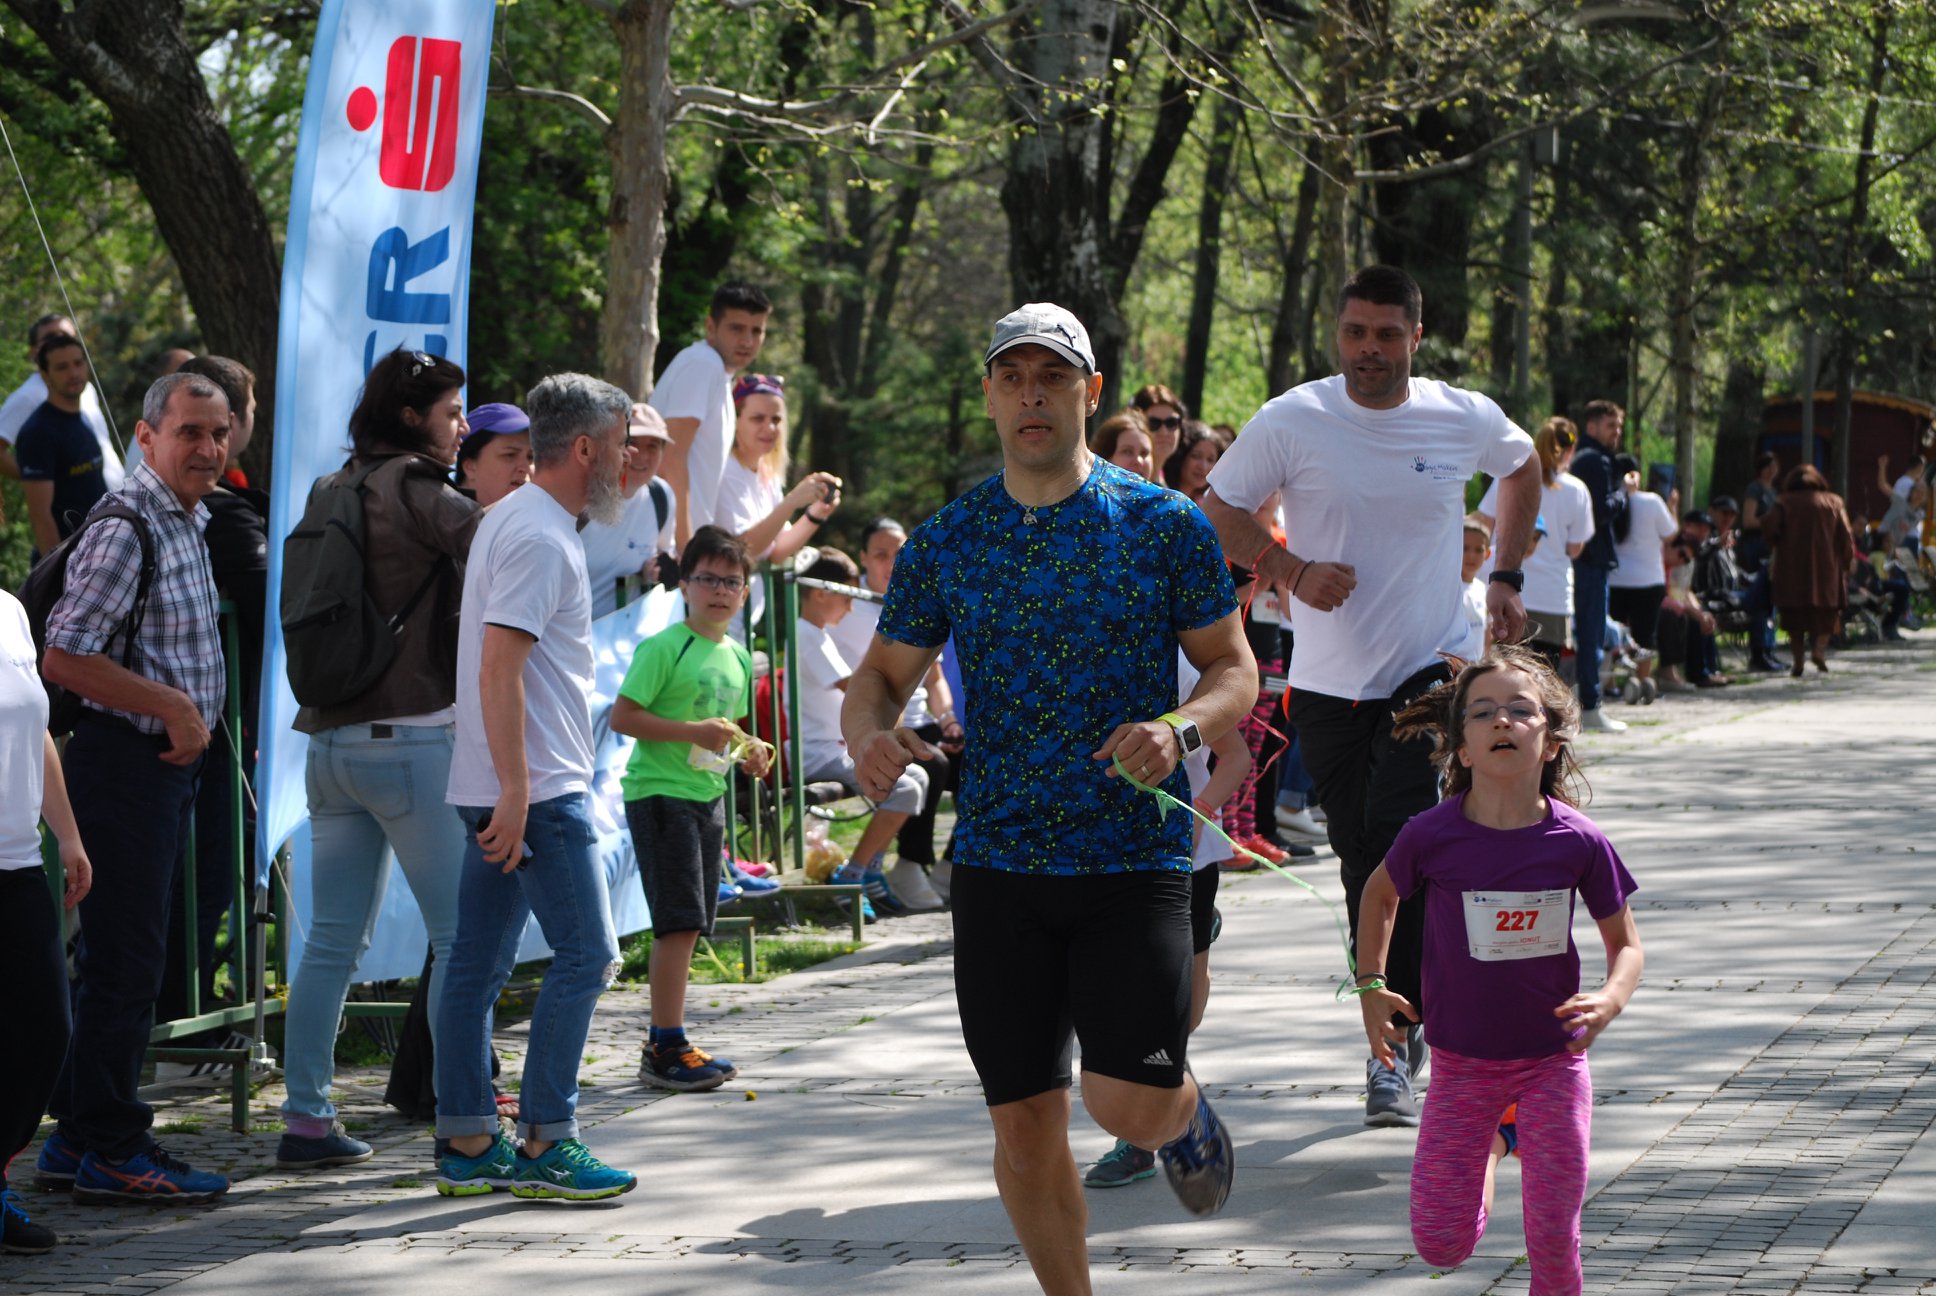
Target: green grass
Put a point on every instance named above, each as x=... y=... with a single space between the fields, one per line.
x=776 y=956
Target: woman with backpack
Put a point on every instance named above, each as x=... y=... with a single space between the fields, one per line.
x=380 y=739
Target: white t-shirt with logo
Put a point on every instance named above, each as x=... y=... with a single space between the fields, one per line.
x=527 y=571
x=1649 y=523
x=821 y=670
x=1567 y=508
x=696 y=386
x=23 y=726
x=1382 y=490
x=614 y=552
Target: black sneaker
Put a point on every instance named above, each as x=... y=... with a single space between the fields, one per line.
x=18 y=1234
x=335 y=1148
x=1200 y=1163
x=679 y=1069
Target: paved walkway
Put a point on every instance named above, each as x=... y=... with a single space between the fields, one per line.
x=1763 y=1123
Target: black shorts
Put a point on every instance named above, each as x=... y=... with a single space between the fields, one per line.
x=1203 y=906
x=1639 y=611
x=678 y=844
x=1044 y=960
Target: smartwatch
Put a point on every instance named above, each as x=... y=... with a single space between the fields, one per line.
x=1189 y=738
x=1516 y=579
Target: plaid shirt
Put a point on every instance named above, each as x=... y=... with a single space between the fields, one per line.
x=180 y=644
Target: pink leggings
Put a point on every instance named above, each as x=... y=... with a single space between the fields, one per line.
x=1462 y=1109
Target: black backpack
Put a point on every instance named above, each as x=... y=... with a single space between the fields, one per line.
x=337 y=640
x=48 y=581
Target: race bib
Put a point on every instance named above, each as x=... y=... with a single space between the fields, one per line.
x=1501 y=925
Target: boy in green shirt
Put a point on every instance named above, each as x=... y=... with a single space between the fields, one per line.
x=683 y=685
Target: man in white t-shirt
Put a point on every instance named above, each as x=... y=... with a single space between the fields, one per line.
x=643 y=536
x=32 y=394
x=520 y=777
x=1373 y=464
x=823 y=751
x=695 y=394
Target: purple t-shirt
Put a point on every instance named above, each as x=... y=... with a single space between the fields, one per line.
x=1499 y=952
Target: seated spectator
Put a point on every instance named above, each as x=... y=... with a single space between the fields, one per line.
x=1686 y=626
x=684 y=685
x=930 y=713
x=494 y=453
x=62 y=465
x=1124 y=440
x=823 y=751
x=1718 y=581
x=642 y=541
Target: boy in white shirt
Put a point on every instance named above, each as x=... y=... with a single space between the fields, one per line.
x=823 y=752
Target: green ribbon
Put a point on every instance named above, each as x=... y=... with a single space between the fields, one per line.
x=1166 y=805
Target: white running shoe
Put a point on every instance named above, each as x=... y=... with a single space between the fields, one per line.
x=1600 y=722
x=1300 y=822
x=909 y=882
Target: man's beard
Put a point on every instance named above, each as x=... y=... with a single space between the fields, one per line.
x=604 y=498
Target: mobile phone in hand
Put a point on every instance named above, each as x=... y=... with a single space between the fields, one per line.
x=524 y=860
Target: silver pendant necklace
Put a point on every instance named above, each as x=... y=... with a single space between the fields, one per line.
x=1028 y=515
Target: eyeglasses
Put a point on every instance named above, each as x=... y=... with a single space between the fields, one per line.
x=1174 y=421
x=1518 y=712
x=708 y=581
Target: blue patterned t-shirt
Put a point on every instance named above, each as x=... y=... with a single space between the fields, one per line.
x=1065 y=629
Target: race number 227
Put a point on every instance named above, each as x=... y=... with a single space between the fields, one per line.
x=1515 y=920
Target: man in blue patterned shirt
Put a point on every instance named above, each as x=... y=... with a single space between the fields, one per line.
x=132 y=768
x=1068 y=586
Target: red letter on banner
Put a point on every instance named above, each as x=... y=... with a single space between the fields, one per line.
x=419 y=149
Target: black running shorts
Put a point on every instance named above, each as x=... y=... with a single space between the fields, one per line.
x=1044 y=960
x=1203 y=907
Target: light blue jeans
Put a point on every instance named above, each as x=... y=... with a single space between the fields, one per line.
x=563 y=884
x=365 y=793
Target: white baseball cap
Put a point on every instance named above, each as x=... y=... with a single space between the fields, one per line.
x=1043 y=324
x=646 y=422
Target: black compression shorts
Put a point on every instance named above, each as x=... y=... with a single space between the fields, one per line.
x=1044 y=960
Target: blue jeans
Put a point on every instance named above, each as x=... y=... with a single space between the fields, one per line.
x=563 y=884
x=133 y=809
x=1589 y=628
x=365 y=793
x=1293 y=780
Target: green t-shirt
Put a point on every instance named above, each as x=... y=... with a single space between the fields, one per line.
x=679 y=675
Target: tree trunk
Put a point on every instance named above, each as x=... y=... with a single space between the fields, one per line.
x=137 y=60
x=629 y=329
x=1685 y=278
x=1851 y=244
x=1286 y=326
x=1209 y=253
x=1739 y=427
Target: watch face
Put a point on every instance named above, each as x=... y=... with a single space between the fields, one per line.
x=1188 y=738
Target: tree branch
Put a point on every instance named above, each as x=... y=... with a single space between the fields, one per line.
x=577 y=102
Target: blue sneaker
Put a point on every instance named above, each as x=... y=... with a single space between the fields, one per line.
x=493 y=1169
x=728 y=892
x=59 y=1162
x=18 y=1234
x=1123 y=1165
x=151 y=1176
x=874 y=882
x=569 y=1171
x=335 y=1148
x=756 y=886
x=1200 y=1163
x=681 y=1068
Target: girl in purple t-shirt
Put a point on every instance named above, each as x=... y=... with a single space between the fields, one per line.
x=1500 y=860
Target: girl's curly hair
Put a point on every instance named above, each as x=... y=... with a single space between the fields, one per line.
x=1441 y=713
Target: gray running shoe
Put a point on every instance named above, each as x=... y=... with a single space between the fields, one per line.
x=1124 y=1164
x=1388 y=1093
x=1200 y=1163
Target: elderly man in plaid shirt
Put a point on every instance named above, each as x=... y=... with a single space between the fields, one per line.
x=132 y=768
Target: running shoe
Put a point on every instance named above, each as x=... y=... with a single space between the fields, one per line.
x=492 y=1170
x=145 y=1177
x=1121 y=1166
x=1200 y=1163
x=874 y=882
x=724 y=1067
x=57 y=1165
x=910 y=883
x=18 y=1234
x=1302 y=822
x=335 y=1148
x=567 y=1170
x=1388 y=1093
x=681 y=1068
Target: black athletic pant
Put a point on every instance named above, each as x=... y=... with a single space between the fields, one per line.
x=916 y=839
x=34 y=967
x=1370 y=785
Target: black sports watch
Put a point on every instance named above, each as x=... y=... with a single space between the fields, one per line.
x=1189 y=738
x=1514 y=578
